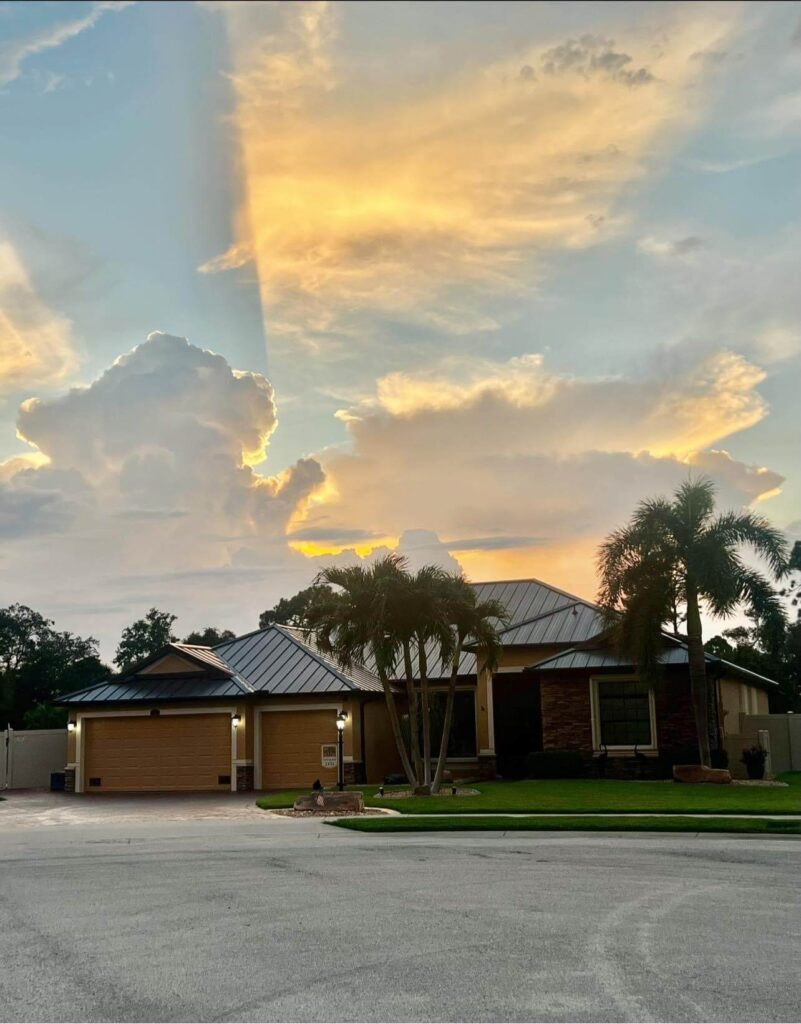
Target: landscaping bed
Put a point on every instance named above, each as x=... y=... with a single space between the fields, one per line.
x=569 y=823
x=570 y=796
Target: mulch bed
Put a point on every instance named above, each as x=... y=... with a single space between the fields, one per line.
x=401 y=794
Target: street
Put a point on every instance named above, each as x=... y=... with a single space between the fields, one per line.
x=212 y=911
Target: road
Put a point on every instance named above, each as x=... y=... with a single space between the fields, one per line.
x=215 y=912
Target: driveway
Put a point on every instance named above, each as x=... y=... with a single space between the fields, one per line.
x=204 y=909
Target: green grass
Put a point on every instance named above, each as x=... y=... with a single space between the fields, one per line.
x=568 y=823
x=602 y=796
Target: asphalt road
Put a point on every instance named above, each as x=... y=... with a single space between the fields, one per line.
x=233 y=916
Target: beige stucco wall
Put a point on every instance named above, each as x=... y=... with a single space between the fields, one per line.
x=522 y=657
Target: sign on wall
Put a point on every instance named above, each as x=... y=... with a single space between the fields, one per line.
x=328 y=752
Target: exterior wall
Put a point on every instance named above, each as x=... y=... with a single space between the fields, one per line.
x=566 y=713
x=738 y=698
x=675 y=718
x=524 y=657
x=380 y=755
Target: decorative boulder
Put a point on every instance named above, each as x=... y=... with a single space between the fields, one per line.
x=325 y=803
x=700 y=773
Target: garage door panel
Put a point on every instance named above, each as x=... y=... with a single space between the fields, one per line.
x=165 y=752
x=291 y=744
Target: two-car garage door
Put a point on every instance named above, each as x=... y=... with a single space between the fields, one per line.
x=164 y=752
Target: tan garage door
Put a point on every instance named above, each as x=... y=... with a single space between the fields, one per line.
x=291 y=743
x=167 y=752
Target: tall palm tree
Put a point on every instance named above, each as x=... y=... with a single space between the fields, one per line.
x=470 y=623
x=359 y=622
x=678 y=554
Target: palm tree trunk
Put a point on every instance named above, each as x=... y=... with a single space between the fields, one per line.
x=425 y=711
x=414 y=728
x=446 y=725
x=697 y=666
x=394 y=723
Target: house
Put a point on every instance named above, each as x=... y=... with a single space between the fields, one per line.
x=260 y=711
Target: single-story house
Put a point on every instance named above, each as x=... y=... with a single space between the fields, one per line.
x=259 y=711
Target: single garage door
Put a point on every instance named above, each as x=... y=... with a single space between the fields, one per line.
x=291 y=748
x=164 y=752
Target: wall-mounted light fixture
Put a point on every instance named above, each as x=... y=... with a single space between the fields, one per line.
x=71 y=726
x=235 y=720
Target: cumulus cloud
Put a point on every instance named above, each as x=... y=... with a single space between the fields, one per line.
x=15 y=52
x=534 y=465
x=371 y=202
x=36 y=343
x=146 y=474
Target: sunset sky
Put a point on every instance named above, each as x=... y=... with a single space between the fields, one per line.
x=462 y=279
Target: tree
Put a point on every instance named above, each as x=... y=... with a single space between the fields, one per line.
x=793 y=590
x=679 y=552
x=209 y=637
x=472 y=624
x=358 y=624
x=38 y=664
x=143 y=638
x=775 y=656
x=291 y=611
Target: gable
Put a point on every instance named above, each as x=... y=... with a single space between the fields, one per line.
x=170 y=665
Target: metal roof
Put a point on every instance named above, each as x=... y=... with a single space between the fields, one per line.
x=607 y=658
x=153 y=688
x=285 y=660
x=525 y=600
x=203 y=654
x=572 y=623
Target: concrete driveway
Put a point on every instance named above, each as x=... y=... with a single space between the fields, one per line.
x=203 y=909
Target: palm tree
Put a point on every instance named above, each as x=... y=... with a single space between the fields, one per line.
x=678 y=554
x=359 y=622
x=470 y=623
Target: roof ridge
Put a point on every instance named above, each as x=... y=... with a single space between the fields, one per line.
x=531 y=579
x=536 y=618
x=317 y=655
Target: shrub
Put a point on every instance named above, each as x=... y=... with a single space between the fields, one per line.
x=754 y=759
x=555 y=764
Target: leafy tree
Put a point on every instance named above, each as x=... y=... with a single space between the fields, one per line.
x=291 y=611
x=143 y=638
x=209 y=637
x=37 y=664
x=679 y=552
x=777 y=658
x=793 y=589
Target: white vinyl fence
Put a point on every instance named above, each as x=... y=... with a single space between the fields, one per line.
x=28 y=756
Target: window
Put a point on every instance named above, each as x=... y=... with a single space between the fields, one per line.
x=623 y=713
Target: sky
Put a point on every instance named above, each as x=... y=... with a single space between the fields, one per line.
x=291 y=284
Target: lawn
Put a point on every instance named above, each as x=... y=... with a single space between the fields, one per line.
x=568 y=823
x=570 y=796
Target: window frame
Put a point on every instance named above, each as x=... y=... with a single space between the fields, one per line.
x=595 y=709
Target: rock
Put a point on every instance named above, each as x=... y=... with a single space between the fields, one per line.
x=322 y=802
x=700 y=773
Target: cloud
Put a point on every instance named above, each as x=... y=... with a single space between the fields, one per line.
x=374 y=201
x=536 y=465
x=664 y=247
x=146 y=473
x=36 y=343
x=15 y=52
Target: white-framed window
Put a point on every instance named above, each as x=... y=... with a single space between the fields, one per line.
x=623 y=713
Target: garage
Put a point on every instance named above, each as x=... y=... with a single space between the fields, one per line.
x=167 y=752
x=291 y=748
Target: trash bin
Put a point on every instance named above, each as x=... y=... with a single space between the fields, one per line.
x=57 y=782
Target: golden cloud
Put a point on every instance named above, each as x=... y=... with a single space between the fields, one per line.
x=374 y=193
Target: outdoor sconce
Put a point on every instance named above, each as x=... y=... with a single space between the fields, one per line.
x=70 y=726
x=235 y=720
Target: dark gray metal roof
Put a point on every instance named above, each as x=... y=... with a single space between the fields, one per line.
x=675 y=653
x=285 y=660
x=155 y=688
x=525 y=600
x=572 y=623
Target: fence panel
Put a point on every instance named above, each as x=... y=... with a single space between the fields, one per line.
x=30 y=755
